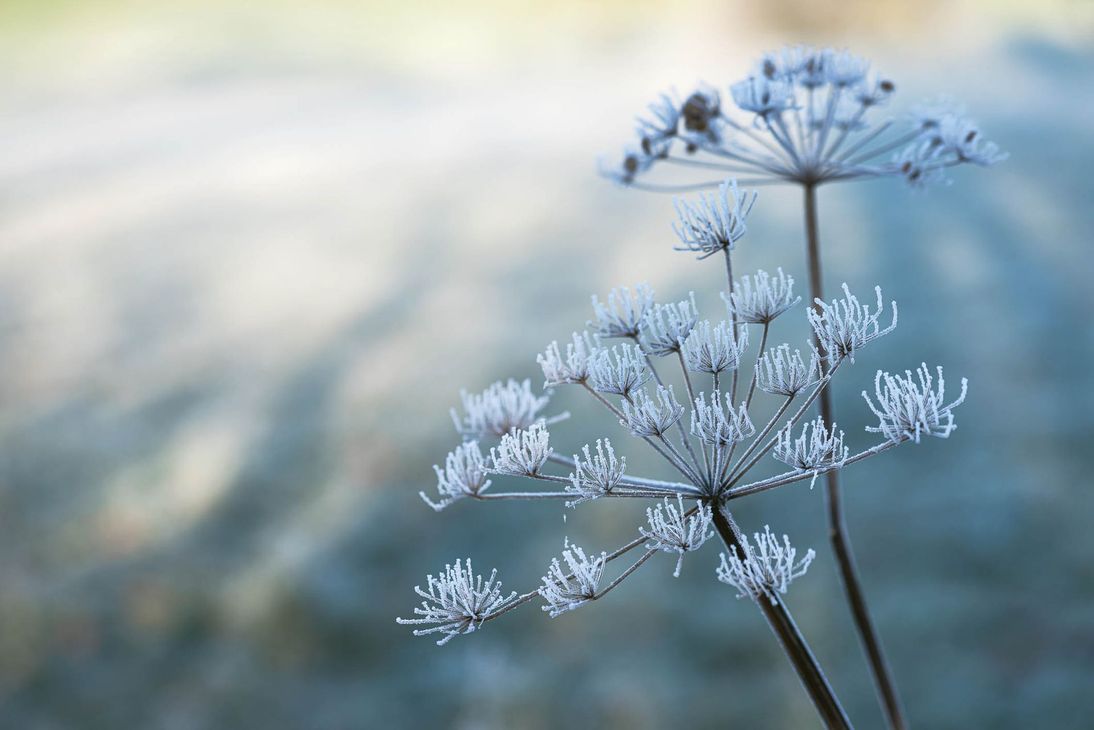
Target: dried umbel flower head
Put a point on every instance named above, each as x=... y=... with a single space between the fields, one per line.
x=715 y=221
x=570 y=588
x=499 y=409
x=907 y=408
x=624 y=312
x=761 y=298
x=818 y=448
x=672 y=530
x=781 y=373
x=666 y=326
x=716 y=425
x=574 y=367
x=464 y=475
x=765 y=568
x=712 y=349
x=596 y=476
x=645 y=416
x=457 y=602
x=620 y=370
x=522 y=452
x=843 y=326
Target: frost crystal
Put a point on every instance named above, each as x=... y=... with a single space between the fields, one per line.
x=623 y=315
x=907 y=409
x=522 y=452
x=844 y=325
x=761 y=298
x=817 y=449
x=671 y=532
x=620 y=370
x=574 y=367
x=567 y=591
x=499 y=409
x=644 y=416
x=596 y=475
x=714 y=426
x=457 y=602
x=714 y=222
x=780 y=373
x=713 y=349
x=666 y=326
x=764 y=570
x=464 y=475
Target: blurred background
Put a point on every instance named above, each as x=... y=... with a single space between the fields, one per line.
x=250 y=252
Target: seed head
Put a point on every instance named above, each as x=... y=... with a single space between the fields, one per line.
x=464 y=475
x=765 y=569
x=908 y=409
x=457 y=602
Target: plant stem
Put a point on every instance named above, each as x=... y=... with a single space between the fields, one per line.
x=790 y=638
x=837 y=528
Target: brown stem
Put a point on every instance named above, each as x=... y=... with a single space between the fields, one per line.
x=790 y=638
x=837 y=528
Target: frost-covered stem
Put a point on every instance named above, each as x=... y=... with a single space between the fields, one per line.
x=790 y=638
x=830 y=114
x=618 y=494
x=691 y=400
x=887 y=147
x=843 y=134
x=756 y=367
x=679 y=425
x=626 y=481
x=837 y=527
x=758 y=439
x=776 y=154
x=790 y=477
x=635 y=566
x=865 y=140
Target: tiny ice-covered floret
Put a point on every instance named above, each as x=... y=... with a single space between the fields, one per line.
x=666 y=326
x=764 y=569
x=843 y=326
x=781 y=373
x=701 y=110
x=620 y=370
x=574 y=367
x=624 y=312
x=634 y=162
x=817 y=449
x=661 y=124
x=908 y=409
x=761 y=298
x=712 y=349
x=464 y=475
x=670 y=531
x=564 y=591
x=645 y=416
x=596 y=475
x=457 y=602
x=715 y=426
x=713 y=222
x=762 y=96
x=845 y=69
x=499 y=409
x=522 y=452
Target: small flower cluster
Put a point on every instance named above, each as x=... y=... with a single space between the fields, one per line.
x=764 y=569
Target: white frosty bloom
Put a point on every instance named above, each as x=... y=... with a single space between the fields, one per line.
x=623 y=315
x=574 y=367
x=761 y=298
x=762 y=96
x=499 y=409
x=672 y=532
x=844 y=325
x=661 y=124
x=781 y=373
x=960 y=136
x=845 y=69
x=620 y=370
x=715 y=221
x=715 y=426
x=666 y=326
x=764 y=569
x=596 y=475
x=712 y=349
x=817 y=449
x=522 y=452
x=464 y=475
x=918 y=165
x=564 y=591
x=907 y=409
x=457 y=602
x=644 y=416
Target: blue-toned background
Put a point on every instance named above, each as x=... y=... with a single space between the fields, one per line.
x=250 y=253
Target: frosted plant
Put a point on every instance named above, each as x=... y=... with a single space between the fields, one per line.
x=458 y=602
x=908 y=409
x=671 y=530
x=807 y=117
x=761 y=298
x=843 y=326
x=711 y=462
x=464 y=475
x=764 y=569
x=715 y=222
x=817 y=448
x=564 y=591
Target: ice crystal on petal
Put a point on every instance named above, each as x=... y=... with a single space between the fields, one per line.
x=666 y=326
x=457 y=602
x=499 y=409
x=564 y=591
x=764 y=569
x=715 y=426
x=845 y=325
x=574 y=367
x=714 y=222
x=623 y=315
x=908 y=409
x=712 y=349
x=464 y=475
x=596 y=475
x=781 y=373
x=522 y=452
x=761 y=298
x=672 y=532
x=620 y=370
x=817 y=449
x=645 y=416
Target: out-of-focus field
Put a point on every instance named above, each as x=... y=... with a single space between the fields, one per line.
x=250 y=252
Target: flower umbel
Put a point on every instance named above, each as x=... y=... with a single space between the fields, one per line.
x=645 y=416
x=522 y=452
x=845 y=325
x=624 y=312
x=457 y=602
x=715 y=222
x=464 y=475
x=761 y=298
x=597 y=475
x=765 y=569
x=564 y=591
x=908 y=409
x=673 y=532
x=499 y=409
x=817 y=449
